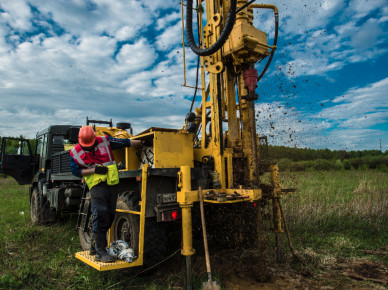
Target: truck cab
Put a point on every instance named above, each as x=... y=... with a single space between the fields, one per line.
x=28 y=164
x=46 y=167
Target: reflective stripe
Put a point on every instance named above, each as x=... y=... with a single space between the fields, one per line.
x=105 y=143
x=108 y=163
x=77 y=157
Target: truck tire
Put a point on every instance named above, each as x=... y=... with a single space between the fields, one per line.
x=123 y=126
x=41 y=212
x=126 y=227
x=85 y=238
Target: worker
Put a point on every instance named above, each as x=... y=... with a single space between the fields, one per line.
x=92 y=158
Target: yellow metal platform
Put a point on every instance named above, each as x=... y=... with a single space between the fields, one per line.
x=100 y=266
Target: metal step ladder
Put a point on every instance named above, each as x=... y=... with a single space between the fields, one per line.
x=82 y=212
x=101 y=266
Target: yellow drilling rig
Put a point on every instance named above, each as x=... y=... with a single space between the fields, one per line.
x=217 y=156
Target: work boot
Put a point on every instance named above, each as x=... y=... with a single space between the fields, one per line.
x=101 y=254
x=92 y=250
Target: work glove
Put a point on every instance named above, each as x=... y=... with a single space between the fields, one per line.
x=101 y=170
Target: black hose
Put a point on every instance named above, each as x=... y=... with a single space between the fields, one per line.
x=245 y=5
x=196 y=86
x=219 y=101
x=275 y=40
x=197 y=73
x=230 y=20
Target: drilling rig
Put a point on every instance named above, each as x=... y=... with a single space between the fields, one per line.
x=217 y=155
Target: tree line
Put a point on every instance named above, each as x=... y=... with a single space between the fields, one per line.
x=301 y=159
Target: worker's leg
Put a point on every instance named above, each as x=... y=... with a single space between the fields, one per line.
x=101 y=220
x=113 y=193
x=100 y=208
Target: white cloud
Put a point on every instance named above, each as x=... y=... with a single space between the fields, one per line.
x=315 y=48
x=164 y=22
x=135 y=57
x=368 y=35
x=346 y=122
x=288 y=126
x=170 y=38
x=123 y=19
x=361 y=8
x=17 y=14
x=367 y=105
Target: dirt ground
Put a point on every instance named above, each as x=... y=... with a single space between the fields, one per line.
x=238 y=271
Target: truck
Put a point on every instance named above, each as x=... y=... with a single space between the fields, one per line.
x=55 y=190
x=216 y=156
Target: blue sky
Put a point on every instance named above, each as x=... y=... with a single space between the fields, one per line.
x=61 y=61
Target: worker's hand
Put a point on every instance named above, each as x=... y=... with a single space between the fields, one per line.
x=101 y=170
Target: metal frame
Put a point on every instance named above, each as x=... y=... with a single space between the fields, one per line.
x=100 y=266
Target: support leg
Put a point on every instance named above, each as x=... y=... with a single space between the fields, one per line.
x=187 y=234
x=262 y=270
x=189 y=274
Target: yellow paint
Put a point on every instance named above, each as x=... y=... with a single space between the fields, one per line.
x=142 y=203
x=173 y=149
x=132 y=162
x=187 y=234
x=100 y=266
x=128 y=211
x=246 y=41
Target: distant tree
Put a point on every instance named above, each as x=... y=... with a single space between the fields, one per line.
x=338 y=165
x=347 y=165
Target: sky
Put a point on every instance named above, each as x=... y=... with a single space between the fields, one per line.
x=62 y=61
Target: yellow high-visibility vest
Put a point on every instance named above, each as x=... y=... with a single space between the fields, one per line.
x=111 y=178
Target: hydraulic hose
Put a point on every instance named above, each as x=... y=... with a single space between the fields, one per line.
x=275 y=40
x=230 y=20
x=198 y=60
x=196 y=86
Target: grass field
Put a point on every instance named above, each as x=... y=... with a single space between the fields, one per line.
x=333 y=218
x=338 y=213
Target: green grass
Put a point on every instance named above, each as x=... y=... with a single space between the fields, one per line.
x=338 y=214
x=43 y=257
x=332 y=217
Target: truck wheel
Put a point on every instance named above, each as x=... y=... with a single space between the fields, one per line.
x=85 y=238
x=35 y=205
x=123 y=126
x=41 y=212
x=126 y=227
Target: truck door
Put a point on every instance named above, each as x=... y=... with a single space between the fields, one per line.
x=16 y=159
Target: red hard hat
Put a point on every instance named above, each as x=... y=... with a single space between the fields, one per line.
x=86 y=136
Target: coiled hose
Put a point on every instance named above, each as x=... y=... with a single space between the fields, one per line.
x=230 y=20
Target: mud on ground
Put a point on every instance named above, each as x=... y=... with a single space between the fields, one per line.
x=237 y=269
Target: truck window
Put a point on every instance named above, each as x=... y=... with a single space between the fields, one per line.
x=39 y=146
x=25 y=149
x=12 y=147
x=44 y=147
x=59 y=140
x=58 y=143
